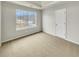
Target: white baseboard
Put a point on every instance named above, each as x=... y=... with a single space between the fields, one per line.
x=13 y=38
x=72 y=41
x=64 y=38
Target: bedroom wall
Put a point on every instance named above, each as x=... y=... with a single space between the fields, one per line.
x=0 y=23
x=9 y=22
x=49 y=21
x=72 y=20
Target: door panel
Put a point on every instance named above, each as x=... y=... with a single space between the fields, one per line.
x=61 y=23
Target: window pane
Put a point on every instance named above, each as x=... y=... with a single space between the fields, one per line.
x=25 y=19
x=18 y=21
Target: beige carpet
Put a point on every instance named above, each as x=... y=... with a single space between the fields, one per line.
x=39 y=45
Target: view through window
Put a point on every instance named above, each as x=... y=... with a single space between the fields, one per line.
x=25 y=19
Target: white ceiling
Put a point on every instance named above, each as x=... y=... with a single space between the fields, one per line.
x=43 y=3
x=35 y=4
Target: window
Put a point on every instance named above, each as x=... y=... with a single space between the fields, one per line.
x=25 y=19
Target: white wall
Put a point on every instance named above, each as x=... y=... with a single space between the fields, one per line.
x=0 y=23
x=9 y=22
x=72 y=20
x=73 y=23
x=49 y=21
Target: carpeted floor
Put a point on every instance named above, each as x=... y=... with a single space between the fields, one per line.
x=39 y=45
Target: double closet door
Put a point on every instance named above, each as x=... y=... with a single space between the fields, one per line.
x=60 y=24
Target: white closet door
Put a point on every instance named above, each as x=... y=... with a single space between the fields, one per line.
x=61 y=23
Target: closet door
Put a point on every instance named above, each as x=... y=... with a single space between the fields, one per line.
x=61 y=23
